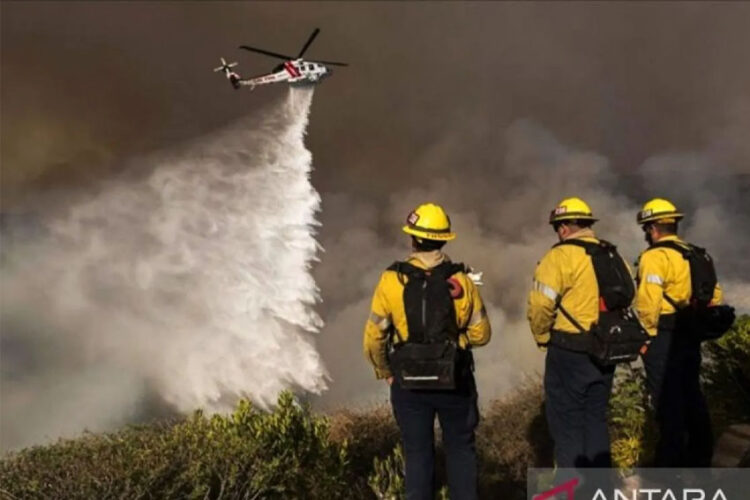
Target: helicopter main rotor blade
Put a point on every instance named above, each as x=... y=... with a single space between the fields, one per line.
x=267 y=52
x=309 y=41
x=332 y=63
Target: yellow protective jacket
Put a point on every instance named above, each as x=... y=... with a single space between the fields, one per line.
x=664 y=270
x=387 y=313
x=565 y=273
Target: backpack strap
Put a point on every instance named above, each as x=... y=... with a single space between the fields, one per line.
x=586 y=245
x=403 y=269
x=578 y=243
x=589 y=246
x=446 y=269
x=441 y=272
x=671 y=301
x=569 y=316
x=679 y=248
x=685 y=250
x=592 y=249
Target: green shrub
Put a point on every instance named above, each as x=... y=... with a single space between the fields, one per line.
x=368 y=434
x=726 y=383
x=387 y=480
x=387 y=477
x=726 y=375
x=629 y=418
x=292 y=453
x=248 y=454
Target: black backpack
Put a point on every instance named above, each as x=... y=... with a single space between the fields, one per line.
x=617 y=336
x=697 y=318
x=429 y=358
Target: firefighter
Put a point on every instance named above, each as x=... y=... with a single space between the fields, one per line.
x=577 y=389
x=450 y=302
x=673 y=357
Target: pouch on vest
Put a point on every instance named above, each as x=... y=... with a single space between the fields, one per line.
x=617 y=336
x=429 y=358
x=699 y=319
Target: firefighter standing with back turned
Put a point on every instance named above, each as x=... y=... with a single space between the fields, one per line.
x=675 y=296
x=426 y=315
x=577 y=278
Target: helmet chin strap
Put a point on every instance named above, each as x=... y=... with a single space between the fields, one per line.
x=649 y=239
x=647 y=234
x=415 y=241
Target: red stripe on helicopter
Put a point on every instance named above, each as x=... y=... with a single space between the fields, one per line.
x=293 y=71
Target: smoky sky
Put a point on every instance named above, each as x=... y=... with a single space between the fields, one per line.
x=84 y=84
x=496 y=110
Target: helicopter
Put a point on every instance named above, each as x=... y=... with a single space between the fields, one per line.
x=294 y=70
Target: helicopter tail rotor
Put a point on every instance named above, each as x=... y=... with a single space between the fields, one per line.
x=225 y=67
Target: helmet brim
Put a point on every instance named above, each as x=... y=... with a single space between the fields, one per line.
x=429 y=235
x=667 y=218
x=572 y=216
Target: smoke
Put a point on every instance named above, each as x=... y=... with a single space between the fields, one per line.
x=500 y=216
x=495 y=110
x=499 y=203
x=187 y=282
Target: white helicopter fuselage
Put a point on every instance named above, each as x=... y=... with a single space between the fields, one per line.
x=299 y=72
x=304 y=71
x=294 y=70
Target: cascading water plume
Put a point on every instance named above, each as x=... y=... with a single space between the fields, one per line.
x=193 y=279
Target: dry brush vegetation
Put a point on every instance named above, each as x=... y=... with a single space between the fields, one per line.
x=295 y=453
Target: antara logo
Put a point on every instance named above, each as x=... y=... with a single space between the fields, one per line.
x=659 y=494
x=568 y=488
x=566 y=491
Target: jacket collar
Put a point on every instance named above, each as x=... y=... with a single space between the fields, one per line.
x=670 y=237
x=582 y=234
x=428 y=260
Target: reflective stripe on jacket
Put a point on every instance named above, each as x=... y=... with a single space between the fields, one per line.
x=664 y=270
x=387 y=313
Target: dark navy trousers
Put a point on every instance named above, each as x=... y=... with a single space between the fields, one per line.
x=576 y=397
x=458 y=415
x=673 y=379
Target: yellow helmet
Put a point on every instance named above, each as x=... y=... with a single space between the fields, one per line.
x=660 y=210
x=429 y=221
x=571 y=209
